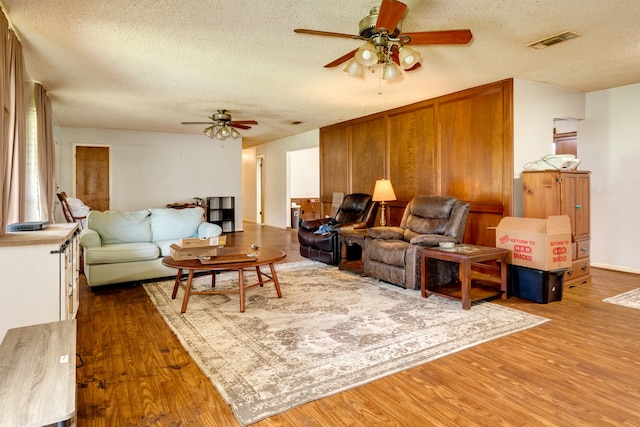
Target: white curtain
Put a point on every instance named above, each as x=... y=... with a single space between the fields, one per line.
x=45 y=152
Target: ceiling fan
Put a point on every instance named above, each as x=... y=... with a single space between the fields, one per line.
x=386 y=44
x=222 y=126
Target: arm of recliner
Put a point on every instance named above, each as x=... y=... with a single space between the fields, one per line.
x=386 y=233
x=431 y=239
x=89 y=238
x=207 y=229
x=350 y=225
x=314 y=224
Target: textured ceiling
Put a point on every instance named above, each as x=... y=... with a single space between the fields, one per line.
x=150 y=64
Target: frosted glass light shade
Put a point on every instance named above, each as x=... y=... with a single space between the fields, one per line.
x=367 y=55
x=391 y=71
x=353 y=68
x=409 y=58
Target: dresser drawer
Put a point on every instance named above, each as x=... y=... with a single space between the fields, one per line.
x=578 y=268
x=583 y=249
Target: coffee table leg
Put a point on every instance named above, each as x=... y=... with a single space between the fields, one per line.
x=259 y=273
x=241 y=288
x=424 y=276
x=503 y=277
x=213 y=279
x=187 y=291
x=177 y=284
x=465 y=283
x=275 y=280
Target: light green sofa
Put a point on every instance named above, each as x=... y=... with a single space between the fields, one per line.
x=123 y=247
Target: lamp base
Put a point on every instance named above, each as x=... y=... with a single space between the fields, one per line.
x=383 y=215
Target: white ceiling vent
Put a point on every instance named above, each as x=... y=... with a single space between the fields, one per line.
x=550 y=41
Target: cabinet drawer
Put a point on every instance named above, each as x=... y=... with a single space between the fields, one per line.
x=578 y=268
x=582 y=249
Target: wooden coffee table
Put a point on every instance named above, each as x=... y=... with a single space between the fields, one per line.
x=465 y=256
x=229 y=261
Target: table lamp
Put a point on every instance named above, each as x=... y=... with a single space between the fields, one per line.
x=383 y=192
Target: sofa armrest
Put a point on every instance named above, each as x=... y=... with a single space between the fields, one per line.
x=386 y=233
x=207 y=229
x=90 y=238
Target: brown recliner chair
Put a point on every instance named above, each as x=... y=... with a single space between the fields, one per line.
x=319 y=238
x=393 y=253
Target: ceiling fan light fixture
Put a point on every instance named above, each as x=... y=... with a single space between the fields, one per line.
x=391 y=71
x=409 y=57
x=353 y=68
x=367 y=55
x=234 y=133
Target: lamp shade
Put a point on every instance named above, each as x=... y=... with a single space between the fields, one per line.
x=383 y=191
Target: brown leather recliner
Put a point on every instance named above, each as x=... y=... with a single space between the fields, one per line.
x=319 y=238
x=392 y=254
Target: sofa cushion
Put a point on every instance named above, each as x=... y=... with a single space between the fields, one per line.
x=124 y=252
x=121 y=227
x=167 y=224
x=165 y=246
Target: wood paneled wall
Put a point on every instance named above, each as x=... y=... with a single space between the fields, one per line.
x=459 y=145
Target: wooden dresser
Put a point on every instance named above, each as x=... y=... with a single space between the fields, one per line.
x=553 y=192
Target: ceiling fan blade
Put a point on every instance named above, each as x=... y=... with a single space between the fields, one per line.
x=390 y=14
x=197 y=123
x=244 y=122
x=239 y=126
x=342 y=59
x=440 y=37
x=325 y=33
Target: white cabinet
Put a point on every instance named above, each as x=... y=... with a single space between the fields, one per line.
x=40 y=276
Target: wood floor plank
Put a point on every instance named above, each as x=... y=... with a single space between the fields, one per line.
x=580 y=368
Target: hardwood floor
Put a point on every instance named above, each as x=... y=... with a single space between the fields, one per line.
x=580 y=368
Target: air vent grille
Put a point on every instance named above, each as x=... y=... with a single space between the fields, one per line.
x=555 y=39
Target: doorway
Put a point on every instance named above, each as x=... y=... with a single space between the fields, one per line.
x=92 y=176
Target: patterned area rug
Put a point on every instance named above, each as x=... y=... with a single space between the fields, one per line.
x=330 y=331
x=628 y=299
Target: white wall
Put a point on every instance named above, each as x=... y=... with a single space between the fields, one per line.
x=277 y=210
x=304 y=173
x=609 y=146
x=151 y=169
x=535 y=106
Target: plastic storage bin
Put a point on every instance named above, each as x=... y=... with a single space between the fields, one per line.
x=535 y=285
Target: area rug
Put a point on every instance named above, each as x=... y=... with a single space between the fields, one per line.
x=330 y=331
x=628 y=299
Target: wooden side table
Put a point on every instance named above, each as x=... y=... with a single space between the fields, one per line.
x=465 y=256
x=349 y=238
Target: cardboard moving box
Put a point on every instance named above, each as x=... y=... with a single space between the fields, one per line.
x=196 y=248
x=196 y=242
x=543 y=244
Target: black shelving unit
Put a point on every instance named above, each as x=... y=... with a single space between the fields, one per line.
x=221 y=210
